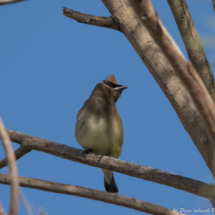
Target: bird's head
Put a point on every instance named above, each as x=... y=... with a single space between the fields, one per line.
x=113 y=87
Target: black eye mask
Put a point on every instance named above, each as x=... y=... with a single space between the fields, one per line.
x=111 y=84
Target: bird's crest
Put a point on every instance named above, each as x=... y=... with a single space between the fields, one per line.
x=112 y=79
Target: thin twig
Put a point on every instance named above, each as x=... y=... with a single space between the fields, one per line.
x=90 y=194
x=184 y=69
x=9 y=1
x=25 y=203
x=20 y=152
x=150 y=174
x=192 y=42
x=12 y=170
x=2 y=212
x=100 y=21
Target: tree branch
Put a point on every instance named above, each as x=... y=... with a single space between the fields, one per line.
x=100 y=21
x=184 y=69
x=150 y=174
x=192 y=42
x=90 y=194
x=9 y=1
x=14 y=200
x=164 y=74
x=18 y=154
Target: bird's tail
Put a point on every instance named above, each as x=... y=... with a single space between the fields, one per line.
x=112 y=188
x=109 y=182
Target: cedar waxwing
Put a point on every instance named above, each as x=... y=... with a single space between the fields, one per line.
x=99 y=126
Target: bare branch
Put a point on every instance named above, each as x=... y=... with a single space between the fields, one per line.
x=90 y=194
x=12 y=170
x=185 y=70
x=18 y=154
x=150 y=174
x=106 y=22
x=192 y=42
x=2 y=212
x=25 y=203
x=9 y=1
x=164 y=74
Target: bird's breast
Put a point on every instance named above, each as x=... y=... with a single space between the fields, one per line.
x=99 y=134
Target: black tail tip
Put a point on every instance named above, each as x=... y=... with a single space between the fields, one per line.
x=111 y=188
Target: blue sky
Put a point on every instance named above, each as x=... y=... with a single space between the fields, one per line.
x=50 y=65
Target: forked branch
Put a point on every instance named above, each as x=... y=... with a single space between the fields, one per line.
x=164 y=74
x=100 y=21
x=20 y=152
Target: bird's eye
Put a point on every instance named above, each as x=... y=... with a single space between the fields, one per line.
x=111 y=85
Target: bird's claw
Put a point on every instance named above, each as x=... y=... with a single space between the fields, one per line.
x=86 y=152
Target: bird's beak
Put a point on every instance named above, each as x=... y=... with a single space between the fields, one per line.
x=121 y=87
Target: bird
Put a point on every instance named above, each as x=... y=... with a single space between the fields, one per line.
x=99 y=127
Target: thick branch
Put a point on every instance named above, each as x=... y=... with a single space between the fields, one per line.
x=14 y=200
x=106 y=22
x=90 y=194
x=184 y=69
x=164 y=74
x=179 y=182
x=192 y=42
x=9 y=1
x=18 y=154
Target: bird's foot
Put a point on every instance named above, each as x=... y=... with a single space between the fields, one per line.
x=102 y=155
x=86 y=152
